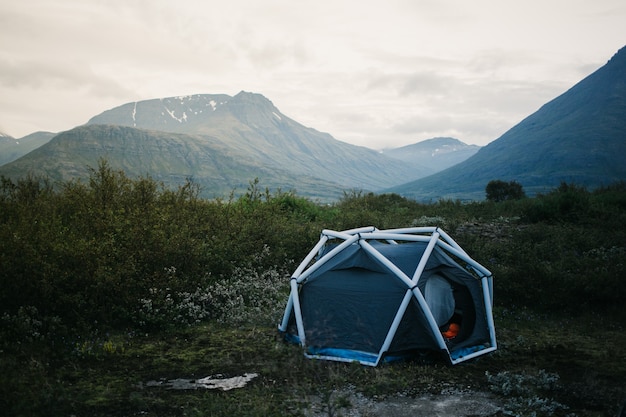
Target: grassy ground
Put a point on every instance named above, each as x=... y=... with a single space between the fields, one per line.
x=544 y=366
x=141 y=270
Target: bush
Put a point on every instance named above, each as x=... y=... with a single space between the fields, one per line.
x=119 y=253
x=498 y=190
x=566 y=203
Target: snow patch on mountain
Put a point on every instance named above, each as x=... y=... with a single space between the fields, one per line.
x=445 y=149
x=181 y=119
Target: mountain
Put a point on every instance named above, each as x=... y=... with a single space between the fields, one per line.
x=578 y=137
x=11 y=148
x=250 y=125
x=222 y=142
x=168 y=157
x=435 y=154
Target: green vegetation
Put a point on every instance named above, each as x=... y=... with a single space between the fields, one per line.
x=111 y=283
x=498 y=190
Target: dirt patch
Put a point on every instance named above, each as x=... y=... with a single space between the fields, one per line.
x=347 y=403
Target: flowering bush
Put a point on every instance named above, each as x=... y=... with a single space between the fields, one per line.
x=248 y=295
x=526 y=393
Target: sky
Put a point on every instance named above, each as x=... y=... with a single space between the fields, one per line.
x=379 y=74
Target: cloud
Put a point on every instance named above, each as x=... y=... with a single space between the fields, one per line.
x=371 y=73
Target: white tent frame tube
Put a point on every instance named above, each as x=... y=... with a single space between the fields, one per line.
x=339 y=359
x=446 y=237
x=427 y=314
x=328 y=256
x=446 y=242
x=416 y=292
x=427 y=252
x=480 y=270
x=461 y=254
x=310 y=256
x=363 y=234
x=294 y=299
x=345 y=233
x=285 y=321
x=412 y=230
x=386 y=262
x=413 y=291
x=490 y=323
x=394 y=325
x=297 y=311
x=384 y=235
x=303 y=264
x=427 y=229
x=472 y=355
x=359 y=231
x=489 y=312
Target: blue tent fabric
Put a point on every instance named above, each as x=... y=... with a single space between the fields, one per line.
x=349 y=303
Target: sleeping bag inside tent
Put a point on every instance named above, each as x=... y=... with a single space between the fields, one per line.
x=374 y=296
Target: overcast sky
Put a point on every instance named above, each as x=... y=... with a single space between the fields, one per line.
x=372 y=73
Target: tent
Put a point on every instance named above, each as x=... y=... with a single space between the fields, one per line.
x=374 y=296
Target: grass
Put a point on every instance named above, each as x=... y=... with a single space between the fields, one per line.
x=582 y=361
x=99 y=299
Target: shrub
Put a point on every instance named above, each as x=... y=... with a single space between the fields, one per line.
x=568 y=203
x=498 y=190
x=526 y=394
x=249 y=294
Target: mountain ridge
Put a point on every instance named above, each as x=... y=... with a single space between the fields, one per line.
x=249 y=134
x=171 y=158
x=251 y=125
x=13 y=148
x=435 y=154
x=578 y=137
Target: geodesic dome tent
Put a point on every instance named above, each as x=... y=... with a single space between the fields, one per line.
x=374 y=296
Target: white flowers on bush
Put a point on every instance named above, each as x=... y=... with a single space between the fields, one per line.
x=249 y=295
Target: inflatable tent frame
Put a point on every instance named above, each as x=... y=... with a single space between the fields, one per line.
x=434 y=239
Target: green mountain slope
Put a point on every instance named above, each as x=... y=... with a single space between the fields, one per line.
x=253 y=128
x=167 y=157
x=578 y=137
x=12 y=149
x=221 y=142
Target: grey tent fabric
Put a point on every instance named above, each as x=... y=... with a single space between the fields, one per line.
x=439 y=297
x=368 y=300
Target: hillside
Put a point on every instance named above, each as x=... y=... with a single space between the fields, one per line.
x=167 y=157
x=12 y=148
x=578 y=137
x=221 y=142
x=250 y=125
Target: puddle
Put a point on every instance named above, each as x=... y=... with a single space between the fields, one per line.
x=210 y=382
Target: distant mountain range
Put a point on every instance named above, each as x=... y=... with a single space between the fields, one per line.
x=220 y=142
x=579 y=137
x=435 y=154
x=223 y=142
